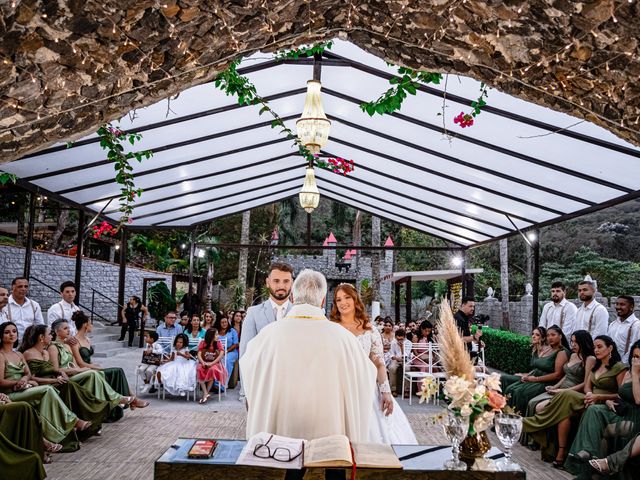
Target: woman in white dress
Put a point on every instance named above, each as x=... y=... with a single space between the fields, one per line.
x=178 y=375
x=389 y=423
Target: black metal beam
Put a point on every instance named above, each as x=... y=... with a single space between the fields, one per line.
x=122 y=271
x=463 y=274
x=79 y=253
x=412 y=210
x=30 y=227
x=447 y=176
x=458 y=161
x=192 y=252
x=461 y=213
x=393 y=218
x=367 y=248
x=491 y=109
x=225 y=197
x=536 y=279
x=397 y=302
x=183 y=144
x=152 y=126
x=211 y=210
x=568 y=216
x=206 y=175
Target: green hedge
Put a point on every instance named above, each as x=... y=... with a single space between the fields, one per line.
x=507 y=351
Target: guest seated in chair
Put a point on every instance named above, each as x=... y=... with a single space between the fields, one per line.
x=225 y=332
x=22 y=450
x=178 y=374
x=210 y=367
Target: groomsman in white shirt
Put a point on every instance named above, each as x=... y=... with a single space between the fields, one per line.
x=22 y=310
x=63 y=310
x=591 y=316
x=559 y=311
x=625 y=329
x=4 y=299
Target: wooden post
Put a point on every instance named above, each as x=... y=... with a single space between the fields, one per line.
x=463 y=290
x=408 y=299
x=79 y=253
x=29 y=246
x=192 y=252
x=397 y=302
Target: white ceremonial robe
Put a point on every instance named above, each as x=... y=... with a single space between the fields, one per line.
x=307 y=377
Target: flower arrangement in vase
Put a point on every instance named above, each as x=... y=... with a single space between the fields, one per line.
x=477 y=399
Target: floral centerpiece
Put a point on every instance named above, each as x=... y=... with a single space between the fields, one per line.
x=466 y=396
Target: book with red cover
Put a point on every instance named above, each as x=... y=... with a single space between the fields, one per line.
x=202 y=448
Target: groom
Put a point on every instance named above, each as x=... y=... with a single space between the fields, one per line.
x=307 y=377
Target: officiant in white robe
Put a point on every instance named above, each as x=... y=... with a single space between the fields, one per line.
x=307 y=377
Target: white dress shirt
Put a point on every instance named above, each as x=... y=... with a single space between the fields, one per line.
x=29 y=313
x=593 y=318
x=396 y=350
x=63 y=310
x=279 y=311
x=562 y=314
x=625 y=333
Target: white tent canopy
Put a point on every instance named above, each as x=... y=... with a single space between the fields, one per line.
x=520 y=166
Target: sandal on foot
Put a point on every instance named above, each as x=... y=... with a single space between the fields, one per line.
x=51 y=447
x=137 y=403
x=47 y=459
x=82 y=425
x=600 y=465
x=582 y=456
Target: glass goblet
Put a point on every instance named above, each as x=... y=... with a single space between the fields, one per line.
x=508 y=430
x=456 y=429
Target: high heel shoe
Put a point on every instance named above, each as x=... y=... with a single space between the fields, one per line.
x=82 y=425
x=137 y=403
x=559 y=463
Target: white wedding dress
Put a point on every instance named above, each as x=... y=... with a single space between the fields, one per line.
x=395 y=428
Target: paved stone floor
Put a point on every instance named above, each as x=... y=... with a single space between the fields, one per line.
x=128 y=448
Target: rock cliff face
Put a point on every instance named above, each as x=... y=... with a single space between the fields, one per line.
x=66 y=66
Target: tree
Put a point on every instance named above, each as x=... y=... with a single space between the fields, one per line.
x=211 y=255
x=504 y=281
x=244 y=252
x=375 y=258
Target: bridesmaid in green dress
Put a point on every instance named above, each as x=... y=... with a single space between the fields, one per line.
x=83 y=352
x=600 y=385
x=620 y=465
x=57 y=420
x=36 y=340
x=61 y=358
x=547 y=369
x=582 y=360
x=21 y=446
x=607 y=428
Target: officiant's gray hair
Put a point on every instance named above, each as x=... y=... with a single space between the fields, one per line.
x=309 y=287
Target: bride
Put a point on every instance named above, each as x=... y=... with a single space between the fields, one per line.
x=390 y=424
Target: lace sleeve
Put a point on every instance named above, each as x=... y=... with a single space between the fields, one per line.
x=377 y=352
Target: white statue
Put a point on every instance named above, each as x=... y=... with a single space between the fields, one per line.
x=490 y=292
x=528 y=289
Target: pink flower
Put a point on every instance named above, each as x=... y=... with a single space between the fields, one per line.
x=496 y=400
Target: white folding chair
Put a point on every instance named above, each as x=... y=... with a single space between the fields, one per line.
x=167 y=343
x=417 y=359
x=435 y=364
x=480 y=365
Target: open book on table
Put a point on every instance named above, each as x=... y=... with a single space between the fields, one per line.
x=335 y=451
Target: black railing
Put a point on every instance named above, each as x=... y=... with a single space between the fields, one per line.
x=90 y=310
x=93 y=299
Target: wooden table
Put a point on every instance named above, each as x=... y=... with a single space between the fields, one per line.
x=420 y=462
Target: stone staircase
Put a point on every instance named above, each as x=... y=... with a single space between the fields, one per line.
x=104 y=339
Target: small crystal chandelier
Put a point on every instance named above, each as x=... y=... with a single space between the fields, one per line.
x=309 y=194
x=313 y=126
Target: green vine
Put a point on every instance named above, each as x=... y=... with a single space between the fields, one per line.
x=303 y=52
x=234 y=84
x=7 y=178
x=112 y=140
x=391 y=100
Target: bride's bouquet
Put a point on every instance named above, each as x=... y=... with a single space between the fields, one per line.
x=466 y=396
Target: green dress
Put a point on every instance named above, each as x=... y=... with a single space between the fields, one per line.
x=21 y=448
x=573 y=375
x=621 y=465
x=602 y=431
x=57 y=420
x=92 y=380
x=541 y=427
x=114 y=376
x=79 y=400
x=519 y=393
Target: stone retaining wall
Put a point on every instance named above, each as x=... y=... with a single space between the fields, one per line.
x=53 y=269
